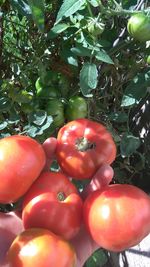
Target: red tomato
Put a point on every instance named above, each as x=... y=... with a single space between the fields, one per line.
x=83 y=146
x=21 y=161
x=40 y=248
x=49 y=147
x=118 y=217
x=53 y=203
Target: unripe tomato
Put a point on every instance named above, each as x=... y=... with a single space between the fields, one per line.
x=148 y=60
x=76 y=108
x=45 y=91
x=55 y=108
x=117 y=217
x=41 y=248
x=95 y=27
x=139 y=27
x=21 y=161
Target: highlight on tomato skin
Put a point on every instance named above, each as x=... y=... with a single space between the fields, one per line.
x=41 y=248
x=54 y=197
x=21 y=161
x=83 y=146
x=118 y=217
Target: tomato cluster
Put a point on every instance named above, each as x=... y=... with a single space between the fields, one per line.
x=116 y=216
x=61 y=108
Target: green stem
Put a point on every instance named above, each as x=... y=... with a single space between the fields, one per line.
x=90 y=10
x=124 y=12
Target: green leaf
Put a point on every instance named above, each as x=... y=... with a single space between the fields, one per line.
x=98 y=258
x=34 y=130
x=22 y=7
x=68 y=8
x=14 y=117
x=57 y=29
x=136 y=89
x=67 y=55
x=88 y=78
x=94 y=3
x=3 y=125
x=38 y=117
x=129 y=144
x=81 y=51
x=38 y=10
x=5 y=104
x=118 y=117
x=103 y=56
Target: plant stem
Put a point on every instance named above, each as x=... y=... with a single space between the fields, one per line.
x=125 y=12
x=90 y=10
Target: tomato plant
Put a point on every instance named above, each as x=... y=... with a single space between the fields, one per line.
x=55 y=108
x=53 y=203
x=40 y=247
x=118 y=217
x=76 y=108
x=83 y=146
x=139 y=27
x=21 y=161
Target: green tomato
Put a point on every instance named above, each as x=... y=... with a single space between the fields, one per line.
x=44 y=91
x=95 y=27
x=139 y=27
x=148 y=60
x=76 y=108
x=55 y=108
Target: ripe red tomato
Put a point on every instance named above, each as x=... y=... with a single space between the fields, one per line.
x=53 y=203
x=21 y=161
x=40 y=248
x=83 y=146
x=118 y=217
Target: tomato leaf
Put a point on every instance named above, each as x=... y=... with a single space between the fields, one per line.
x=33 y=129
x=98 y=258
x=118 y=117
x=5 y=104
x=38 y=10
x=3 y=125
x=57 y=29
x=103 y=56
x=81 y=51
x=129 y=144
x=22 y=7
x=68 y=8
x=136 y=89
x=94 y=3
x=88 y=78
x=38 y=117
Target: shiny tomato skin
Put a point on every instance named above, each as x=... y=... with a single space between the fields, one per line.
x=53 y=203
x=117 y=217
x=41 y=248
x=76 y=108
x=139 y=27
x=21 y=161
x=83 y=146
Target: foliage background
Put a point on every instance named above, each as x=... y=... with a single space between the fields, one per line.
x=56 y=41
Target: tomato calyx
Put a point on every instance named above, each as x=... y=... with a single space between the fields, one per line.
x=83 y=144
x=61 y=196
